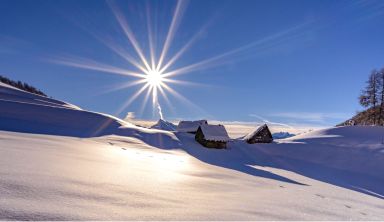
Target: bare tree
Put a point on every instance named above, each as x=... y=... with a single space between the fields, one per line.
x=369 y=96
x=381 y=86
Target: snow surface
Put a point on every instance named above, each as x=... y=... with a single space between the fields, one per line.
x=21 y=111
x=53 y=166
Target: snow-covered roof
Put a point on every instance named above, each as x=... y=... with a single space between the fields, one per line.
x=215 y=132
x=190 y=126
x=255 y=132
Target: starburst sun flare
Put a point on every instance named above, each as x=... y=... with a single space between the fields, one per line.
x=152 y=72
x=155 y=73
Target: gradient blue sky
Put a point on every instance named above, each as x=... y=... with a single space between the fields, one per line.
x=295 y=62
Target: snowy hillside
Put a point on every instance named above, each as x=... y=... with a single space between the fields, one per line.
x=12 y=94
x=366 y=118
x=59 y=162
x=355 y=148
x=26 y=112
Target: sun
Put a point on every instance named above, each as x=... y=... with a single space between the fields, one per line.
x=154 y=78
x=152 y=69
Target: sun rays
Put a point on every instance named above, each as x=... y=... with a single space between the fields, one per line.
x=152 y=78
x=148 y=71
x=152 y=68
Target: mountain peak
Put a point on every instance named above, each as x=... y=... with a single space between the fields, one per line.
x=164 y=125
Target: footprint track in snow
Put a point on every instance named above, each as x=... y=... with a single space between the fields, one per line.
x=321 y=196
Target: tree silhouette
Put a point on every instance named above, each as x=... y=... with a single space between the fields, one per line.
x=20 y=85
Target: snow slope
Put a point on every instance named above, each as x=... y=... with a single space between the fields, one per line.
x=355 y=148
x=26 y=112
x=11 y=94
x=51 y=170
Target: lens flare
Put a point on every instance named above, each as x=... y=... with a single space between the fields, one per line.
x=155 y=73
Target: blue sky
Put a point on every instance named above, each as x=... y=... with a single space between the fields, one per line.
x=294 y=62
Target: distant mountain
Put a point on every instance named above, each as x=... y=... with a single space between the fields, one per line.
x=164 y=125
x=282 y=135
x=367 y=117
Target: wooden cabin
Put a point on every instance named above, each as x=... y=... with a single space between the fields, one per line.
x=260 y=135
x=212 y=136
x=190 y=126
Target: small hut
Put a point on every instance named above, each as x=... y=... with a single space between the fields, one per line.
x=212 y=136
x=190 y=126
x=260 y=135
